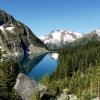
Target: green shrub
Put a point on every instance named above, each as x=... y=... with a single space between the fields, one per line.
x=36 y=96
x=8 y=74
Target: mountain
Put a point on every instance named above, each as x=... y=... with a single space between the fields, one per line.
x=16 y=39
x=60 y=38
x=92 y=36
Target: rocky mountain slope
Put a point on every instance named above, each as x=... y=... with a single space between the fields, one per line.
x=60 y=38
x=94 y=35
x=16 y=39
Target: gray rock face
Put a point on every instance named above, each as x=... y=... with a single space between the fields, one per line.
x=16 y=39
x=26 y=87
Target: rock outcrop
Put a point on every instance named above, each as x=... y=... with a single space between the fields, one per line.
x=26 y=87
x=65 y=96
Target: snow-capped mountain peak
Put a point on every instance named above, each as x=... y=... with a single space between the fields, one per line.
x=60 y=38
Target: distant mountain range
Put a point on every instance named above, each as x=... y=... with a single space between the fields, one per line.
x=62 y=38
x=16 y=39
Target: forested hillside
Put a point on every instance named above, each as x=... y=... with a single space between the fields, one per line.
x=79 y=57
x=78 y=71
x=8 y=74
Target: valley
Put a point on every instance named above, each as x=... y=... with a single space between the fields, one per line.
x=64 y=65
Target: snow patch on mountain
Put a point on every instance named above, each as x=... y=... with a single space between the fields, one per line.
x=11 y=29
x=68 y=38
x=2 y=28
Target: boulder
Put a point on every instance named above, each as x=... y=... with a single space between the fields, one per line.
x=26 y=87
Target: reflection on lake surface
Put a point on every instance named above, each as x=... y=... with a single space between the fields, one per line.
x=46 y=65
x=27 y=64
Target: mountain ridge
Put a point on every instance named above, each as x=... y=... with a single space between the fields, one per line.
x=62 y=38
x=16 y=39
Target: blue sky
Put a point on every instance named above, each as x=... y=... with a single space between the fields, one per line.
x=43 y=16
